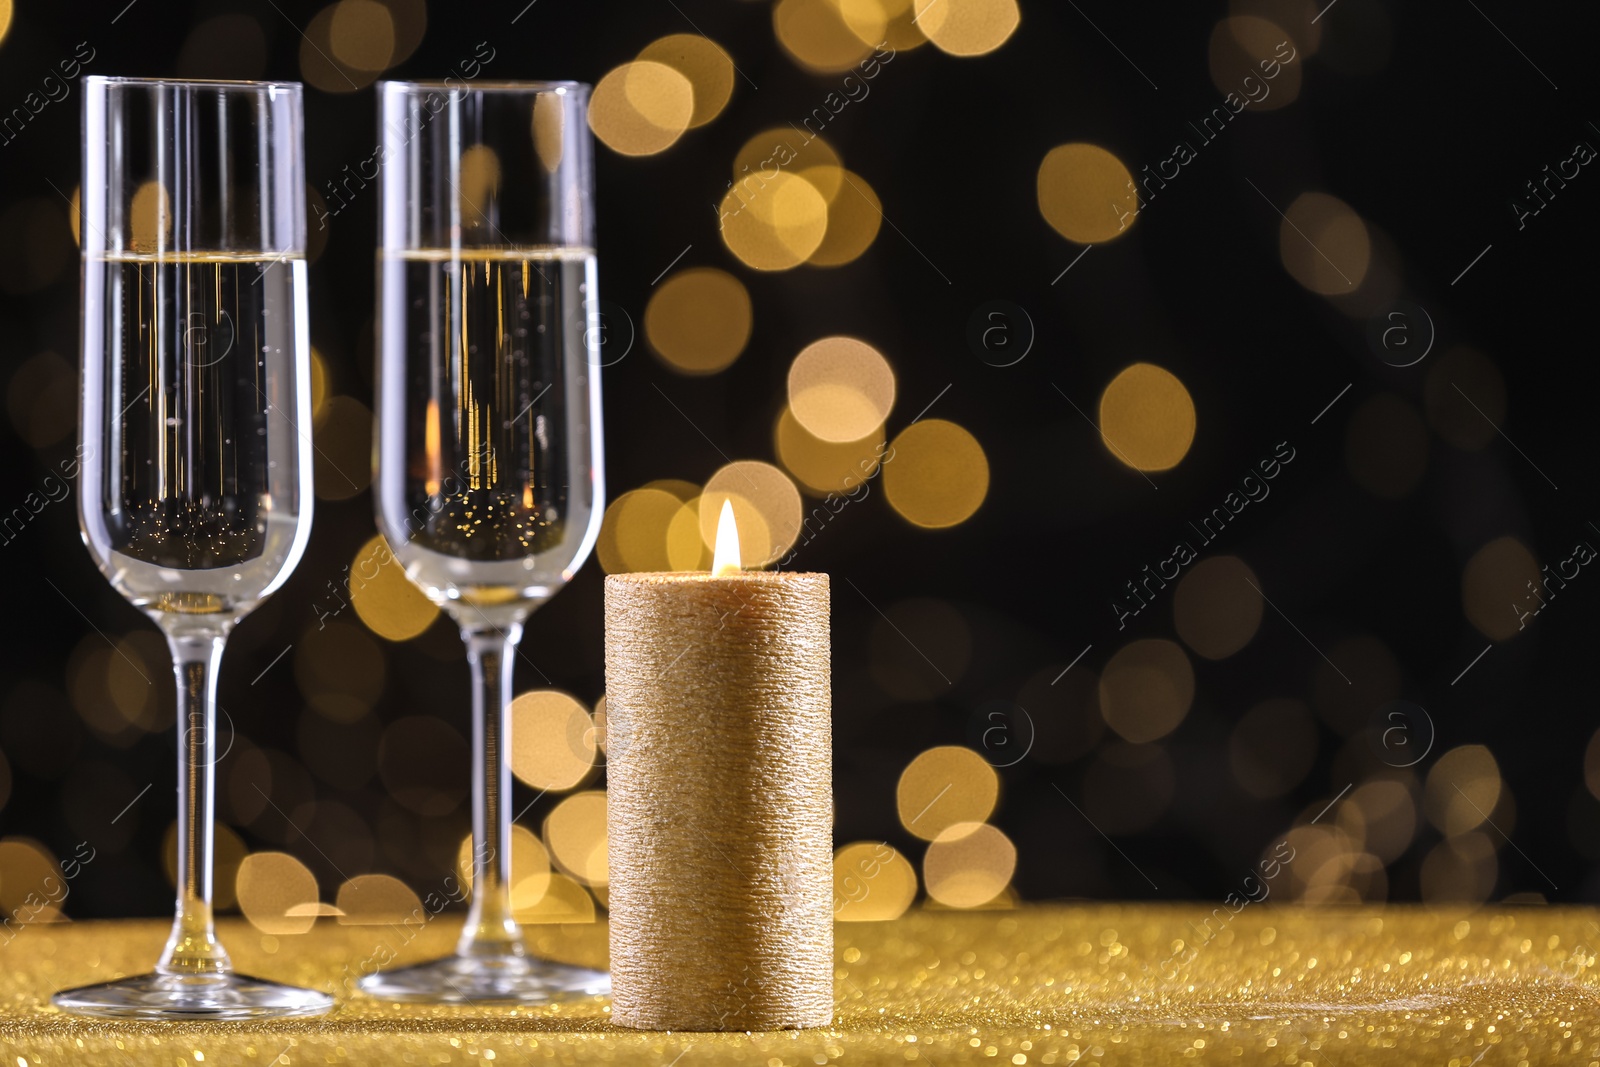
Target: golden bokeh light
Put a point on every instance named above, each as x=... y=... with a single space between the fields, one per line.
x=376 y=900
x=1386 y=446
x=840 y=389
x=530 y=867
x=552 y=740
x=1324 y=244
x=783 y=148
x=362 y=35
x=563 y=901
x=1462 y=790
x=1388 y=816
x=774 y=223
x=384 y=598
x=872 y=882
x=1147 y=418
x=1216 y=608
x=854 y=216
x=766 y=509
x=42 y=399
x=575 y=830
x=1244 y=50
x=686 y=546
x=1497 y=588
x=1462 y=870
x=477 y=185
x=826 y=466
x=935 y=474
x=968 y=865
x=1146 y=689
x=149 y=218
x=1300 y=19
x=641 y=108
x=5 y=18
x=320 y=64
x=828 y=36
x=1086 y=194
x=342 y=458
x=698 y=321
x=30 y=881
x=1464 y=396
x=945 y=786
x=1273 y=747
x=634 y=531
x=901 y=32
x=277 y=893
x=967 y=27
x=704 y=63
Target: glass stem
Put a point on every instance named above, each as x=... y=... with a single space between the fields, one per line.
x=490 y=930
x=193 y=948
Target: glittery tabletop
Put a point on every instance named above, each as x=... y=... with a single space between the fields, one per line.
x=1123 y=984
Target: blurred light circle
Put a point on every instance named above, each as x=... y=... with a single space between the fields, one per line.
x=968 y=865
x=530 y=867
x=1147 y=418
x=686 y=548
x=384 y=598
x=229 y=46
x=377 y=900
x=362 y=34
x=641 y=108
x=945 y=786
x=766 y=509
x=1462 y=790
x=828 y=36
x=967 y=27
x=42 y=399
x=1085 y=193
x=576 y=833
x=320 y=65
x=1146 y=689
x=228 y=850
x=342 y=457
x=1460 y=870
x=1386 y=446
x=901 y=32
x=410 y=20
x=774 y=223
x=1216 y=608
x=706 y=66
x=560 y=900
x=1299 y=18
x=420 y=760
x=477 y=183
x=5 y=18
x=1240 y=45
x=1495 y=588
x=1324 y=244
x=826 y=466
x=935 y=474
x=277 y=893
x=634 y=531
x=35 y=245
x=552 y=740
x=1464 y=396
x=840 y=389
x=27 y=874
x=1273 y=747
x=872 y=882
x=783 y=148
x=698 y=321
x=854 y=216
x=1388 y=815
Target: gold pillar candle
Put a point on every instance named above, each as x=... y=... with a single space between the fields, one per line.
x=719 y=799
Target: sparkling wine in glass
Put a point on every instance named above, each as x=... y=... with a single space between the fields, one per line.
x=195 y=490
x=488 y=484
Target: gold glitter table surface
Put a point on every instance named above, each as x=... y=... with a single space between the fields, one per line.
x=1101 y=983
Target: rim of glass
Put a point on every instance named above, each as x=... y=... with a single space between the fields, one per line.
x=198 y=83
x=463 y=85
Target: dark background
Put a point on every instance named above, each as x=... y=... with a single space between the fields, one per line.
x=1425 y=119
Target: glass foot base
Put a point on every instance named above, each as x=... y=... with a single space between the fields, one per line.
x=466 y=980
x=224 y=996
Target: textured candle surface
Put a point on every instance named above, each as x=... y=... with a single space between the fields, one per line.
x=719 y=801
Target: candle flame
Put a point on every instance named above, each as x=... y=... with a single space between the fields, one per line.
x=725 y=560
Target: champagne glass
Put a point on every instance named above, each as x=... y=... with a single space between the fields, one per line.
x=488 y=483
x=195 y=490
